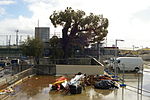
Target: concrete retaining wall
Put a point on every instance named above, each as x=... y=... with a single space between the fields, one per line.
x=45 y=69
x=73 y=69
x=4 y=82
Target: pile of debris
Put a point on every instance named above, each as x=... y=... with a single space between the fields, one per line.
x=74 y=86
x=8 y=90
x=78 y=83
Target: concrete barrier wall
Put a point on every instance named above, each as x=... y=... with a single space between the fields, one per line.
x=4 y=82
x=18 y=68
x=73 y=69
x=68 y=69
x=45 y=69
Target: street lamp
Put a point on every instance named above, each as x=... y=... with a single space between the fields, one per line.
x=117 y=41
x=135 y=53
x=115 y=63
x=134 y=47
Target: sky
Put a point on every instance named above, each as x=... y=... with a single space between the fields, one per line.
x=129 y=20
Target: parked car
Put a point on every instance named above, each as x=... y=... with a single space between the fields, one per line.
x=128 y=64
x=2 y=64
x=15 y=61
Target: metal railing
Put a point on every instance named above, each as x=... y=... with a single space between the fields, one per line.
x=10 y=79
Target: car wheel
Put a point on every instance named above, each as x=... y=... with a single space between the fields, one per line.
x=136 y=69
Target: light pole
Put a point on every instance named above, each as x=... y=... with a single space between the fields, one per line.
x=134 y=47
x=135 y=51
x=115 y=63
x=99 y=51
x=17 y=37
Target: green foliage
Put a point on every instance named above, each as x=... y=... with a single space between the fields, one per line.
x=55 y=48
x=32 y=47
x=79 y=29
x=94 y=27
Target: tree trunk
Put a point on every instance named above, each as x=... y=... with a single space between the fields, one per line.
x=37 y=60
x=65 y=42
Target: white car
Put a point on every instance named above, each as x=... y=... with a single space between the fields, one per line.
x=128 y=64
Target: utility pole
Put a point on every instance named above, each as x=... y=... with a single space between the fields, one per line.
x=99 y=55
x=20 y=39
x=116 y=54
x=17 y=37
x=135 y=51
x=7 y=40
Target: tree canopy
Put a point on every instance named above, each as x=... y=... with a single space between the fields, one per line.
x=55 y=48
x=79 y=29
x=33 y=48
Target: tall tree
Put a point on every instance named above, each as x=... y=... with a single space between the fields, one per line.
x=79 y=29
x=33 y=48
x=56 y=48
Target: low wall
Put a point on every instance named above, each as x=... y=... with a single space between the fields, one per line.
x=73 y=69
x=68 y=69
x=19 y=68
x=45 y=69
x=4 y=82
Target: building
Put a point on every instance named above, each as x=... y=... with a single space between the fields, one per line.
x=100 y=52
x=109 y=52
x=43 y=33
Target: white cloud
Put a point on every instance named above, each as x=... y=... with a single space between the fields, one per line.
x=2 y=11
x=6 y=2
x=122 y=15
x=8 y=26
